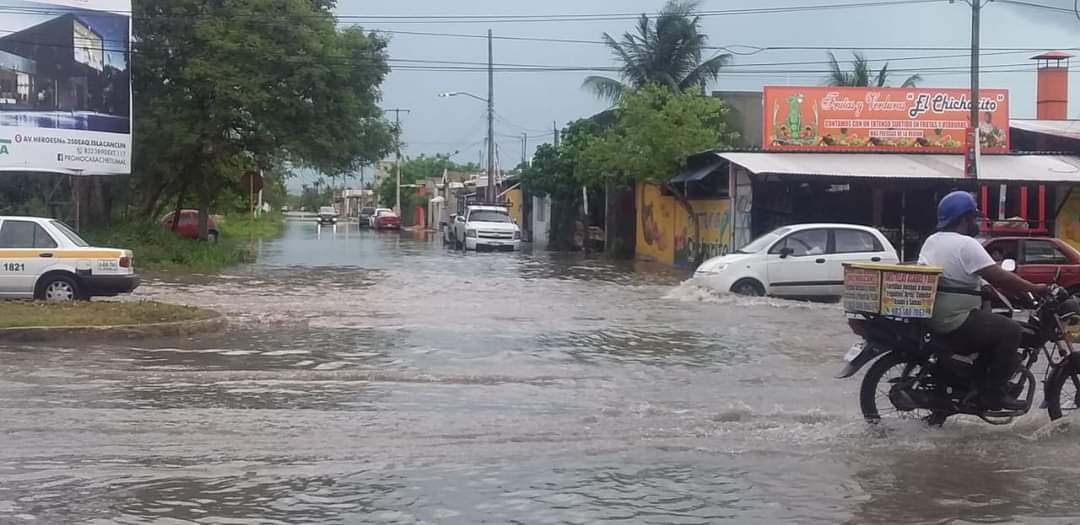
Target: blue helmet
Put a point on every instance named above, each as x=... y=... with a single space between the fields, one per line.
x=954 y=206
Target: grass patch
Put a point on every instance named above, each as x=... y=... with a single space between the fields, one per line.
x=158 y=249
x=22 y=314
x=243 y=226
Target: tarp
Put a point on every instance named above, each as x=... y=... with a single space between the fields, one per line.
x=68 y=107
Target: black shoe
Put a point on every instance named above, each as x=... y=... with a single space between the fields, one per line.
x=1001 y=401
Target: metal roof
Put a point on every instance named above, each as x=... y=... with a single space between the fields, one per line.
x=1069 y=129
x=1003 y=168
x=699 y=173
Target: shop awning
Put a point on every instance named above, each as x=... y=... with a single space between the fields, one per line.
x=1069 y=129
x=996 y=168
x=699 y=173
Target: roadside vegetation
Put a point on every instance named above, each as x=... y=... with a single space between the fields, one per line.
x=23 y=314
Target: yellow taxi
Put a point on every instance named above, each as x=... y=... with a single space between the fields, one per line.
x=45 y=259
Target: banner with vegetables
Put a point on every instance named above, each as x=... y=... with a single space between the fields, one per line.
x=894 y=119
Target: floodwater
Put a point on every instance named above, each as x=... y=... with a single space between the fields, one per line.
x=379 y=378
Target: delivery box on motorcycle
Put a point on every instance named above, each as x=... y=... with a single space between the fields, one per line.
x=894 y=290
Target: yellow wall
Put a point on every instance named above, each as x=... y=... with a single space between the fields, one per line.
x=516 y=199
x=665 y=232
x=1068 y=221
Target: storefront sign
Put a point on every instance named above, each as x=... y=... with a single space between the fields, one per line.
x=903 y=119
x=67 y=112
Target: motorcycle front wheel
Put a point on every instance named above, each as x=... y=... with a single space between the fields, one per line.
x=874 y=400
x=1063 y=392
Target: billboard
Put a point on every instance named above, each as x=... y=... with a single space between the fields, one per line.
x=65 y=87
x=892 y=119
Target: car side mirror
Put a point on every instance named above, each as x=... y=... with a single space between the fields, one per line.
x=786 y=252
x=459 y=218
x=1009 y=265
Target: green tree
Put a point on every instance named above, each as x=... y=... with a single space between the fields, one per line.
x=416 y=170
x=861 y=74
x=222 y=88
x=669 y=51
x=656 y=131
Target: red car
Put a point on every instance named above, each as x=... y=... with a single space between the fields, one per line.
x=1039 y=258
x=189 y=224
x=386 y=220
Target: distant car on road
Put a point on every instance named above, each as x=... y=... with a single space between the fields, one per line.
x=365 y=216
x=1038 y=259
x=44 y=259
x=376 y=213
x=188 y=226
x=385 y=219
x=804 y=260
x=486 y=227
x=328 y=215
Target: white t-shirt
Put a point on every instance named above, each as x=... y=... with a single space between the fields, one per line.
x=961 y=256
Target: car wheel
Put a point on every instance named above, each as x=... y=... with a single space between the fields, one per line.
x=748 y=287
x=59 y=289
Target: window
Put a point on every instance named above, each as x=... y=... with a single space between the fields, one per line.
x=856 y=241
x=809 y=242
x=70 y=234
x=1043 y=252
x=24 y=234
x=1001 y=250
x=488 y=216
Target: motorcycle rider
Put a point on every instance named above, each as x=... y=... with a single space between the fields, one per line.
x=957 y=315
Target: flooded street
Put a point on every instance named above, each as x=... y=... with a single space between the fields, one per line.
x=378 y=377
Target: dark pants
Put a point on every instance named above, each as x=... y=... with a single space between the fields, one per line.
x=994 y=336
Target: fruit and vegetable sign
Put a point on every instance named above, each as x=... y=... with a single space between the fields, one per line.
x=905 y=119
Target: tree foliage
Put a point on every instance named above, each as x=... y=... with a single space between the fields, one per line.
x=416 y=170
x=861 y=74
x=656 y=131
x=668 y=51
x=222 y=88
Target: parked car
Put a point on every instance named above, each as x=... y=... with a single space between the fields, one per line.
x=44 y=259
x=376 y=213
x=328 y=215
x=188 y=226
x=486 y=227
x=804 y=260
x=365 y=217
x=386 y=220
x=1039 y=258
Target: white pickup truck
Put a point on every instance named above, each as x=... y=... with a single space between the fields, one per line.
x=485 y=227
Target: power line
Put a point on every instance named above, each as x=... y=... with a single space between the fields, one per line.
x=1034 y=5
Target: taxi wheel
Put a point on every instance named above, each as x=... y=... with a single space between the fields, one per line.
x=60 y=289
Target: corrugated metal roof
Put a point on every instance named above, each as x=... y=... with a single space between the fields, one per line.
x=1069 y=129
x=1003 y=168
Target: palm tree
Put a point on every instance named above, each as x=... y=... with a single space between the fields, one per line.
x=669 y=51
x=860 y=74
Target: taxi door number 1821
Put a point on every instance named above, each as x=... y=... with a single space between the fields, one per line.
x=13 y=267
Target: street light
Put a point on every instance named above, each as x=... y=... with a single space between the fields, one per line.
x=465 y=93
x=490 y=197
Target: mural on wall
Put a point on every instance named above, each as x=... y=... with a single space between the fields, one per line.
x=666 y=232
x=714 y=217
x=1068 y=221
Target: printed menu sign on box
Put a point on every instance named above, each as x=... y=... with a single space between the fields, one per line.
x=862 y=290
x=908 y=294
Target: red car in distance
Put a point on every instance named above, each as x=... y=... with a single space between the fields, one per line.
x=188 y=226
x=1039 y=258
x=386 y=220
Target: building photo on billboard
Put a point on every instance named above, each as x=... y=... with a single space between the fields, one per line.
x=65 y=68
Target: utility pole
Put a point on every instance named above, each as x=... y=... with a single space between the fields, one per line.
x=397 y=160
x=524 y=149
x=976 y=8
x=555 y=130
x=491 y=122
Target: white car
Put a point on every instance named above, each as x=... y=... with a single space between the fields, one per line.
x=486 y=227
x=803 y=260
x=44 y=259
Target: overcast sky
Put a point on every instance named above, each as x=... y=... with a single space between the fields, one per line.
x=531 y=102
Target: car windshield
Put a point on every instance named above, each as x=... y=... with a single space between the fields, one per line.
x=764 y=241
x=489 y=216
x=367 y=211
x=71 y=235
x=327 y=210
x=380 y=213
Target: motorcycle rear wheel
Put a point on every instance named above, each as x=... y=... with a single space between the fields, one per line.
x=874 y=392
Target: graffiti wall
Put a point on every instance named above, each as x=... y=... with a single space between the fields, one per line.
x=1068 y=221
x=665 y=232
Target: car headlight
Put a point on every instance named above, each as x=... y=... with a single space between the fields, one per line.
x=709 y=270
x=470 y=233
x=517 y=236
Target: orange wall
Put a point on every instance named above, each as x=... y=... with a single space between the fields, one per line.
x=665 y=232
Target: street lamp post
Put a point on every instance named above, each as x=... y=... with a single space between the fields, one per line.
x=490 y=191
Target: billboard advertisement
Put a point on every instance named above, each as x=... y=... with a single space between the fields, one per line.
x=65 y=87
x=892 y=119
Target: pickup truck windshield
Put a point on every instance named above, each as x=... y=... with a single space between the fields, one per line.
x=488 y=216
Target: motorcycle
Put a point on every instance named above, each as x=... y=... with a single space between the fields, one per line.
x=917 y=375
